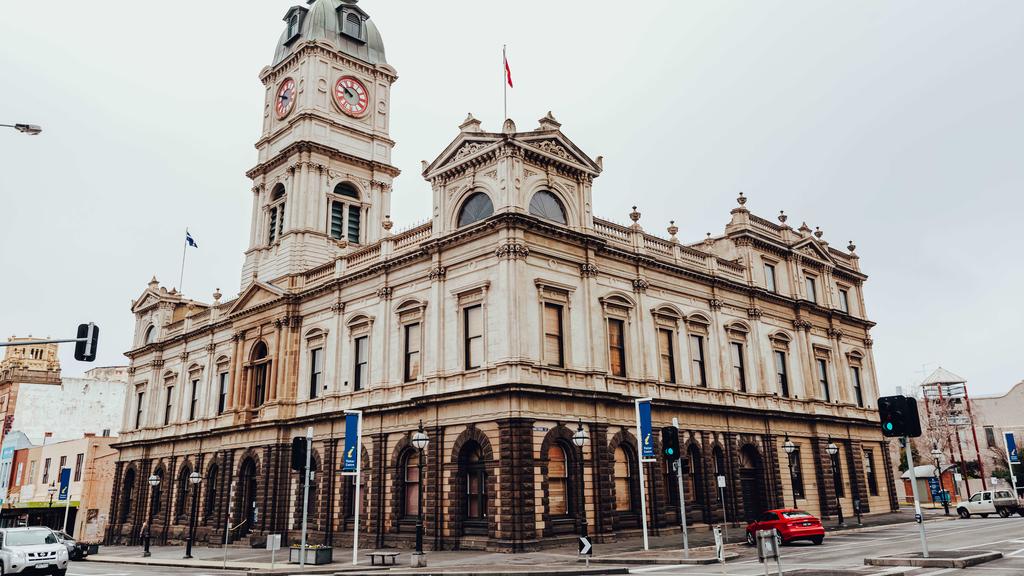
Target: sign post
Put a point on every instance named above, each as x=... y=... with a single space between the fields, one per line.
x=645 y=453
x=1012 y=457
x=305 y=494
x=768 y=548
x=65 y=494
x=721 y=498
x=917 y=501
x=719 y=547
x=352 y=466
x=586 y=549
x=273 y=544
x=682 y=499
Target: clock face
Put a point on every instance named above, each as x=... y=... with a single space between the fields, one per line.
x=285 y=98
x=351 y=96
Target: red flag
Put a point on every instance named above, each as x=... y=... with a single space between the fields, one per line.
x=508 y=71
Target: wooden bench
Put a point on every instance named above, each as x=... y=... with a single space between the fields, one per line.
x=384 y=557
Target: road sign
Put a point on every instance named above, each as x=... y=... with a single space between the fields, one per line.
x=273 y=542
x=351 y=442
x=721 y=481
x=935 y=487
x=586 y=547
x=65 y=484
x=646 y=441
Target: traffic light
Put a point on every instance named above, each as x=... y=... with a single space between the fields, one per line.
x=670 y=443
x=898 y=415
x=299 y=453
x=85 y=347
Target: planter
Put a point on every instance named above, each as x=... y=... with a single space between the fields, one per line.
x=93 y=549
x=313 y=555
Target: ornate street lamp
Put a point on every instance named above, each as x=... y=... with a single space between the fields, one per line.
x=154 y=481
x=833 y=452
x=419 y=441
x=790 y=447
x=937 y=457
x=195 y=479
x=580 y=439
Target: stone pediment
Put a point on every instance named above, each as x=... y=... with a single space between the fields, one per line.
x=547 y=146
x=146 y=300
x=554 y=144
x=811 y=249
x=463 y=148
x=256 y=294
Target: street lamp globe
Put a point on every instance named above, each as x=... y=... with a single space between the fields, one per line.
x=419 y=438
x=832 y=449
x=579 y=438
x=195 y=478
x=154 y=480
x=788 y=445
x=937 y=454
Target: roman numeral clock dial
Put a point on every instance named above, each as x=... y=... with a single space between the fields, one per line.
x=285 y=98
x=351 y=96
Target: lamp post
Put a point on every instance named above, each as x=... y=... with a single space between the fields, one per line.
x=51 y=491
x=580 y=438
x=937 y=456
x=154 y=481
x=790 y=447
x=419 y=441
x=833 y=452
x=30 y=129
x=194 y=479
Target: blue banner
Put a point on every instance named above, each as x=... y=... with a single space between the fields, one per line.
x=1011 y=448
x=65 y=484
x=934 y=487
x=349 y=462
x=646 y=440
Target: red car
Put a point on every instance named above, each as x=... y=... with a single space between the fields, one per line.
x=789 y=524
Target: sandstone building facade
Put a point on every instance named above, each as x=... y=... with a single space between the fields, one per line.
x=508 y=319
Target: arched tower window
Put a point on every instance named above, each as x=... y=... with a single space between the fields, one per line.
x=346 y=215
x=477 y=207
x=276 y=217
x=259 y=368
x=150 y=335
x=546 y=205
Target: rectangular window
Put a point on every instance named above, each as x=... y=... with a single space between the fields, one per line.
x=193 y=401
x=222 y=393
x=553 y=345
x=354 y=214
x=46 y=471
x=796 y=474
x=32 y=472
x=826 y=394
x=869 y=470
x=168 y=405
x=21 y=468
x=617 y=347
x=700 y=377
x=411 y=370
x=781 y=376
x=79 y=460
x=106 y=432
x=138 y=409
x=739 y=374
x=473 y=328
x=361 y=375
x=667 y=354
x=337 y=220
x=272 y=231
x=858 y=394
x=844 y=300
x=63 y=462
x=812 y=288
x=769 y=278
x=990 y=436
x=316 y=372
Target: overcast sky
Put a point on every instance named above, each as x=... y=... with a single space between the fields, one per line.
x=897 y=124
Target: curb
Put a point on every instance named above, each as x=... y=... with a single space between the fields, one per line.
x=976 y=557
x=537 y=572
x=673 y=561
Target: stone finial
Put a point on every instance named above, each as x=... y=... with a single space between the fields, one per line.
x=600 y=162
x=709 y=241
x=216 y=295
x=804 y=228
x=741 y=200
x=673 y=230
x=424 y=165
x=154 y=282
x=548 y=122
x=470 y=124
x=509 y=127
x=818 y=233
x=783 y=217
x=387 y=223
x=635 y=217
x=851 y=246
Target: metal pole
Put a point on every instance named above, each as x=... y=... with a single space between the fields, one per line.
x=419 y=503
x=305 y=496
x=725 y=520
x=836 y=483
x=27 y=342
x=192 y=521
x=640 y=467
x=227 y=515
x=149 y=523
x=184 y=250
x=504 y=83
x=682 y=499
x=358 y=480
x=917 y=501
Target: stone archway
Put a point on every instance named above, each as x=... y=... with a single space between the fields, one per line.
x=247 y=498
x=752 y=482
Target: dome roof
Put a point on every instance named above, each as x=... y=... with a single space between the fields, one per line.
x=334 y=22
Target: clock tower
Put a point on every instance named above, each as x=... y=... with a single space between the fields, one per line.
x=322 y=185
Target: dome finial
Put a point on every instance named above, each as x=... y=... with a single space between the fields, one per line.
x=741 y=200
x=673 y=230
x=635 y=217
x=851 y=246
x=818 y=233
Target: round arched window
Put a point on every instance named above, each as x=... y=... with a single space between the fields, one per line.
x=150 y=335
x=346 y=189
x=477 y=207
x=548 y=206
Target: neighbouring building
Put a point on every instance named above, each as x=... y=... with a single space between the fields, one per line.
x=10 y=466
x=35 y=399
x=511 y=317
x=32 y=497
x=996 y=415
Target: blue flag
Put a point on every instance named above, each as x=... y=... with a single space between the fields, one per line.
x=190 y=240
x=1011 y=448
x=349 y=459
x=65 y=484
x=646 y=441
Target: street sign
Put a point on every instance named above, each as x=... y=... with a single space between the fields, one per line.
x=351 y=442
x=721 y=481
x=586 y=547
x=273 y=542
x=935 y=487
x=1011 y=448
x=958 y=477
x=646 y=441
x=767 y=545
x=65 y=484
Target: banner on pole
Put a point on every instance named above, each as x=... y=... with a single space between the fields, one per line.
x=646 y=440
x=350 y=463
x=65 y=484
x=1011 y=448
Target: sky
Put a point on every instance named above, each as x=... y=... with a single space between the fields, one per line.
x=897 y=124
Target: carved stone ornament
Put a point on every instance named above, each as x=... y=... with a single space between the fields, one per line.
x=834 y=333
x=469 y=149
x=438 y=272
x=715 y=304
x=589 y=270
x=513 y=250
x=554 y=149
x=754 y=313
x=131 y=370
x=238 y=336
x=868 y=342
x=801 y=324
x=385 y=292
x=211 y=347
x=640 y=285
x=338 y=307
x=157 y=362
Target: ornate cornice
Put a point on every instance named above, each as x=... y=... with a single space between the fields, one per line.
x=385 y=292
x=513 y=251
x=437 y=273
x=834 y=333
x=801 y=324
x=640 y=285
x=589 y=270
x=716 y=304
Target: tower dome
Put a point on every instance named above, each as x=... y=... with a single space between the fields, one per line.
x=339 y=23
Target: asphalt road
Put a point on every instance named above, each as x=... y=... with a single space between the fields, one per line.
x=848 y=550
x=98 y=569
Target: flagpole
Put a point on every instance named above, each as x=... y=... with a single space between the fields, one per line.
x=184 y=251
x=504 y=81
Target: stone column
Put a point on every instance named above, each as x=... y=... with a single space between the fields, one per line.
x=516 y=511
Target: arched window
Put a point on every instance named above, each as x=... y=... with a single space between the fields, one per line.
x=276 y=217
x=260 y=362
x=695 y=475
x=547 y=206
x=411 y=484
x=181 y=498
x=558 y=481
x=346 y=215
x=150 y=336
x=127 y=492
x=210 y=502
x=157 y=504
x=477 y=207
x=623 y=481
x=474 y=510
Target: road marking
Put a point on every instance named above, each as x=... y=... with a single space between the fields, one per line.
x=1016 y=552
x=942 y=571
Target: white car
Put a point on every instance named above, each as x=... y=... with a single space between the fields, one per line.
x=1002 y=502
x=33 y=550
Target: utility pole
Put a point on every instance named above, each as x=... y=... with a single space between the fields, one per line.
x=305 y=496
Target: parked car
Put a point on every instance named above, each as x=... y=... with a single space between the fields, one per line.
x=76 y=550
x=789 y=525
x=1002 y=502
x=34 y=549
